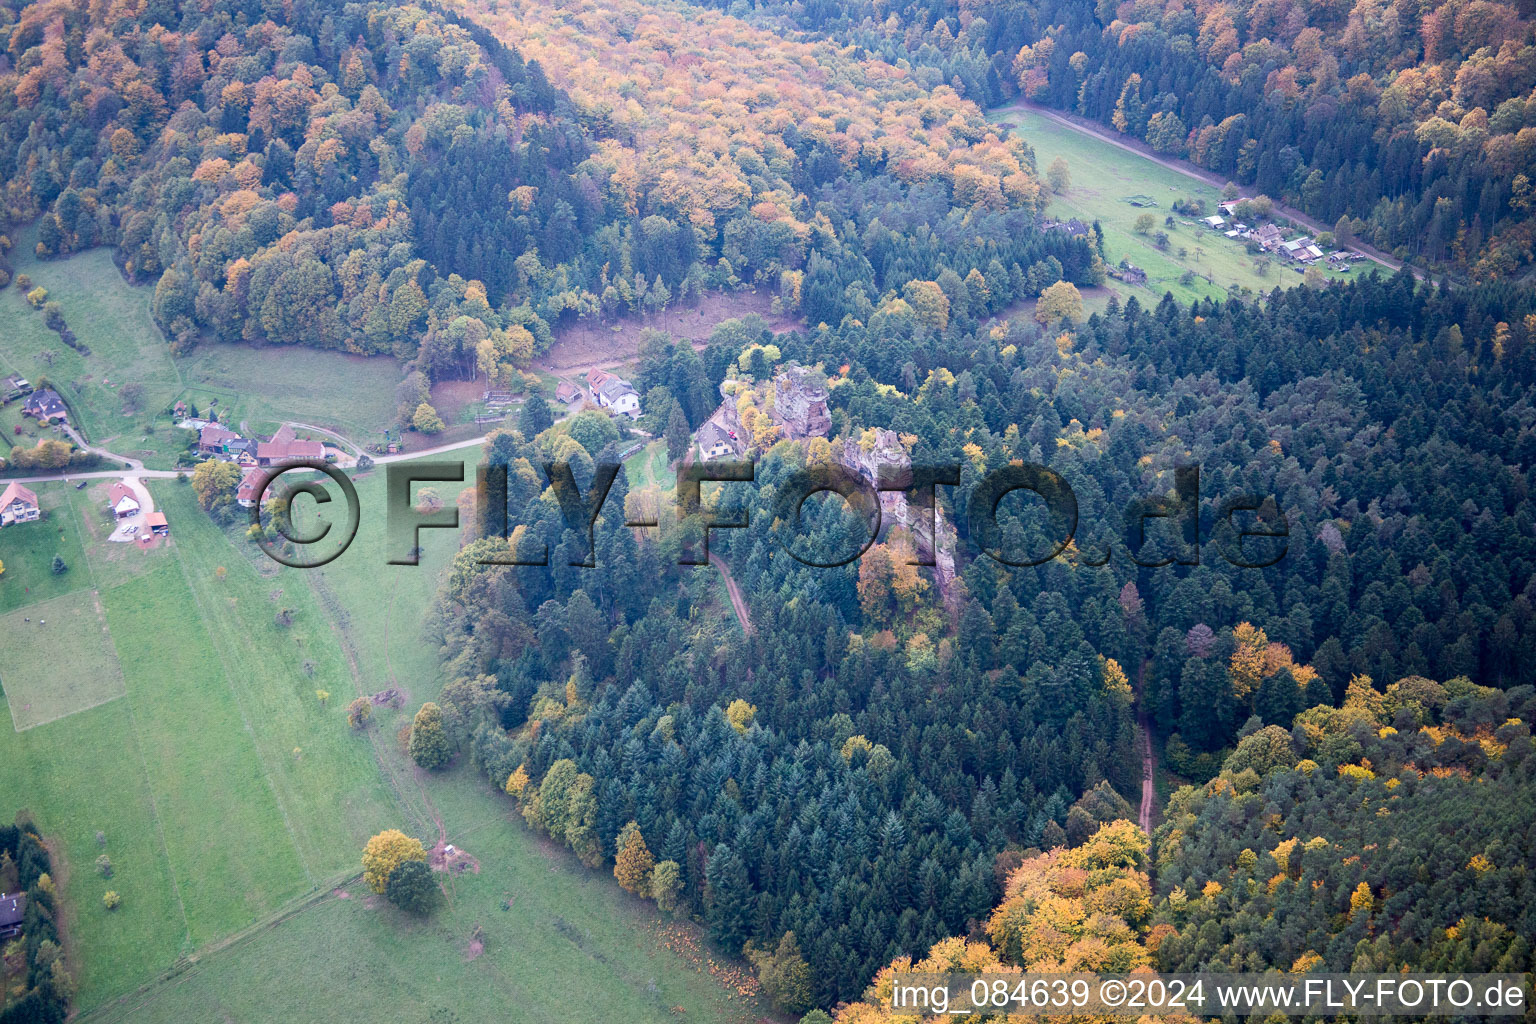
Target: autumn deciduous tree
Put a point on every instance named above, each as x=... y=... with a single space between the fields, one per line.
x=634 y=864
x=359 y=712
x=784 y=975
x=1059 y=175
x=430 y=747
x=667 y=885
x=215 y=483
x=426 y=419
x=385 y=852
x=1061 y=301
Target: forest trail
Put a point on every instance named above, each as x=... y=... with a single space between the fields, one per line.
x=1148 y=758
x=737 y=601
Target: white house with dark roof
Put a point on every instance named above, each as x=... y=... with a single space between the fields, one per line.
x=614 y=393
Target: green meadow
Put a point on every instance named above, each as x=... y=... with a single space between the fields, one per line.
x=233 y=801
x=1104 y=176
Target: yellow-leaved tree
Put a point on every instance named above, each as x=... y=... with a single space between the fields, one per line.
x=634 y=864
x=385 y=852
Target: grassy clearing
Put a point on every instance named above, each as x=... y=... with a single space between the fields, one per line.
x=1104 y=175
x=59 y=659
x=559 y=941
x=226 y=791
x=112 y=319
x=27 y=549
x=648 y=468
x=261 y=387
x=533 y=936
x=78 y=776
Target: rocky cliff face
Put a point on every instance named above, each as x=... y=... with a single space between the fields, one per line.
x=882 y=450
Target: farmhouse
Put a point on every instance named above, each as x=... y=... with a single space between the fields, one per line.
x=1268 y=236
x=45 y=406
x=122 y=501
x=567 y=393
x=715 y=442
x=285 y=446
x=1065 y=227
x=614 y=394
x=242 y=450
x=214 y=439
x=800 y=402
x=157 y=524
x=19 y=505
x=250 y=484
x=13 y=908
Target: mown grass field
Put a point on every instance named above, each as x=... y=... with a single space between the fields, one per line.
x=1103 y=175
x=534 y=936
x=263 y=387
x=27 y=551
x=229 y=795
x=59 y=659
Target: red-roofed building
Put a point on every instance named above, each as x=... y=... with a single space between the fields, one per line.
x=250 y=484
x=122 y=501
x=157 y=524
x=212 y=438
x=19 y=505
x=272 y=452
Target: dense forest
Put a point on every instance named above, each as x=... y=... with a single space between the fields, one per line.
x=1358 y=840
x=887 y=760
x=388 y=179
x=1409 y=126
x=869 y=790
x=34 y=970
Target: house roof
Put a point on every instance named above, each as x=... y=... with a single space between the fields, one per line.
x=711 y=434
x=597 y=378
x=290 y=450
x=565 y=391
x=215 y=434
x=248 y=485
x=15 y=491
x=155 y=519
x=13 y=907
x=118 y=491
x=615 y=388
x=45 y=402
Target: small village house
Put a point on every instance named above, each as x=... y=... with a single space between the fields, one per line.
x=122 y=501
x=567 y=393
x=46 y=406
x=250 y=486
x=19 y=505
x=213 y=439
x=157 y=524
x=715 y=442
x=614 y=393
